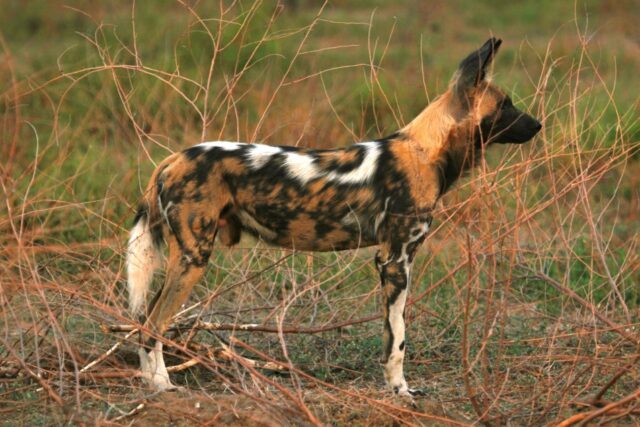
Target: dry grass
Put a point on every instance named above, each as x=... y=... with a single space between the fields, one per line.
x=525 y=301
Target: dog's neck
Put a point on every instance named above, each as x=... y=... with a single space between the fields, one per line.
x=447 y=141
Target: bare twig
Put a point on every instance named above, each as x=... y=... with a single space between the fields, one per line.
x=585 y=417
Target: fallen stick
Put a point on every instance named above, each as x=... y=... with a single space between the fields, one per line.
x=222 y=353
x=249 y=327
x=134 y=411
x=108 y=352
x=227 y=354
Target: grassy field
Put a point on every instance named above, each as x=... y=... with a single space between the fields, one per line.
x=525 y=301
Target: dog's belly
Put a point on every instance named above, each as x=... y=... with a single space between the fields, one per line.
x=308 y=231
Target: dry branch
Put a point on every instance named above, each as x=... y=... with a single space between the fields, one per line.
x=43 y=382
x=585 y=417
x=251 y=327
x=619 y=329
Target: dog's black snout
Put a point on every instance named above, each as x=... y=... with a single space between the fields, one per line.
x=534 y=126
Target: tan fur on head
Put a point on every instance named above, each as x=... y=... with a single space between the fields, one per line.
x=433 y=126
x=485 y=100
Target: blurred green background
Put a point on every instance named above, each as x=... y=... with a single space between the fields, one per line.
x=365 y=68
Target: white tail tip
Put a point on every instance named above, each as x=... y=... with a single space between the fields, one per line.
x=143 y=258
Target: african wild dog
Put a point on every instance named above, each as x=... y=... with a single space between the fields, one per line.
x=381 y=192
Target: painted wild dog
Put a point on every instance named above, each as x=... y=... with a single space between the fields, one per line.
x=381 y=193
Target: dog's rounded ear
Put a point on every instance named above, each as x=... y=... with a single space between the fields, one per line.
x=473 y=69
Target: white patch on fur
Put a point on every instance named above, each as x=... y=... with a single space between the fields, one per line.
x=165 y=211
x=396 y=319
x=260 y=154
x=249 y=221
x=153 y=368
x=416 y=234
x=381 y=216
x=365 y=171
x=142 y=260
x=301 y=167
x=393 y=368
x=223 y=145
x=350 y=219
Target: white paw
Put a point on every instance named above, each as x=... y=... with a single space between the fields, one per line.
x=161 y=383
x=154 y=370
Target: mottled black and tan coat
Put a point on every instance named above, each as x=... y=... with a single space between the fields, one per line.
x=380 y=193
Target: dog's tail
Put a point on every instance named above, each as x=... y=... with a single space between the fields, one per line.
x=143 y=259
x=144 y=255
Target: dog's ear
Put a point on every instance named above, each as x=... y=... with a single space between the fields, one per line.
x=472 y=69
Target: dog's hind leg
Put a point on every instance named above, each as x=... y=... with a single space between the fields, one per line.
x=394 y=265
x=189 y=252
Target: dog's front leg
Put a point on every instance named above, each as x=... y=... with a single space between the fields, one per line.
x=394 y=265
x=394 y=281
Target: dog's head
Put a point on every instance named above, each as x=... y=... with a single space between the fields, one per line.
x=492 y=113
